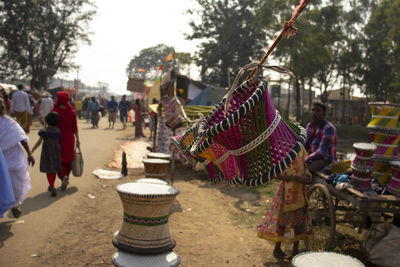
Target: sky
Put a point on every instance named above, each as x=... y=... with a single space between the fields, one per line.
x=121 y=28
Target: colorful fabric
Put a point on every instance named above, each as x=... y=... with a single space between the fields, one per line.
x=286 y=221
x=68 y=127
x=164 y=135
x=11 y=134
x=50 y=158
x=321 y=142
x=6 y=191
x=63 y=99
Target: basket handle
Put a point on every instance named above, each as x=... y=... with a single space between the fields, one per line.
x=257 y=68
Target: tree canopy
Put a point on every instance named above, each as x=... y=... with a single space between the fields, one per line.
x=230 y=38
x=149 y=59
x=39 y=38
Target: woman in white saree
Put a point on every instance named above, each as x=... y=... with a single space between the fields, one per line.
x=12 y=142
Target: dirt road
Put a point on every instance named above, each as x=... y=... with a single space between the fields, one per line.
x=76 y=227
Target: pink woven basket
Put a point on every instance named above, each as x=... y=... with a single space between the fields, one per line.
x=262 y=143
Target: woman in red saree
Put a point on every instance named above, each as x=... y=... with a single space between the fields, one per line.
x=68 y=128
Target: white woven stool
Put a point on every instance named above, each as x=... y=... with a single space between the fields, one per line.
x=167 y=259
x=325 y=259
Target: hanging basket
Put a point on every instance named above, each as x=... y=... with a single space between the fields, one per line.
x=261 y=142
x=174 y=113
x=219 y=155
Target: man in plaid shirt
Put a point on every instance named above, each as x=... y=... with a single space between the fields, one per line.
x=321 y=139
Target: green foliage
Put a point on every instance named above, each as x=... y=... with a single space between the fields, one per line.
x=230 y=38
x=39 y=38
x=381 y=73
x=151 y=58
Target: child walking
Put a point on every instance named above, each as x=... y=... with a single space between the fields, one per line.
x=287 y=219
x=50 y=158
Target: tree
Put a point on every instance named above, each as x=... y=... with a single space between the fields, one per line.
x=149 y=59
x=38 y=38
x=381 y=74
x=230 y=38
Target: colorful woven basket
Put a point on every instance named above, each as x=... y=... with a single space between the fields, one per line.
x=174 y=113
x=382 y=171
x=387 y=144
x=394 y=185
x=262 y=143
x=385 y=116
x=364 y=154
x=217 y=154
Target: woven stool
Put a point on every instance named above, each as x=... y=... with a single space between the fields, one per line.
x=144 y=227
x=158 y=155
x=156 y=168
x=326 y=259
x=167 y=259
x=151 y=181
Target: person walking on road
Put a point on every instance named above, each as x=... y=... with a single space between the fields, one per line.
x=68 y=128
x=20 y=106
x=46 y=105
x=93 y=109
x=138 y=119
x=12 y=142
x=123 y=107
x=112 y=108
x=50 y=158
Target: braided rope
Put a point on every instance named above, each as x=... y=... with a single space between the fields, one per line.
x=222 y=158
x=260 y=139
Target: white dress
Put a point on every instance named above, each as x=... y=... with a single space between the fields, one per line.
x=11 y=135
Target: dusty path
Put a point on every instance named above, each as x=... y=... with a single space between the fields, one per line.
x=74 y=229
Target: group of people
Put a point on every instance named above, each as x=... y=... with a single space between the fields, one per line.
x=284 y=222
x=95 y=109
x=58 y=138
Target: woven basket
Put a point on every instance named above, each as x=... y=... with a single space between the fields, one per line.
x=218 y=155
x=262 y=143
x=184 y=145
x=327 y=259
x=145 y=222
x=174 y=112
x=156 y=168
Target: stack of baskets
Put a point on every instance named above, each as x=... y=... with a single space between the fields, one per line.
x=247 y=138
x=384 y=129
x=362 y=165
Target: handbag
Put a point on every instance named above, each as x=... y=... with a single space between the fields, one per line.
x=77 y=163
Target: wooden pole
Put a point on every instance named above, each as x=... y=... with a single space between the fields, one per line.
x=173 y=162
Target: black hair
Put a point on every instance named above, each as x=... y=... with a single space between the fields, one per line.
x=52 y=119
x=321 y=105
x=20 y=86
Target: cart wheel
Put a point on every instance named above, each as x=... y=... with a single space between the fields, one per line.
x=323 y=218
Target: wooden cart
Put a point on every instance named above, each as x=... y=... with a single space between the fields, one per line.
x=329 y=206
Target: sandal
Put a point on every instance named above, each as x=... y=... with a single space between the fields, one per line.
x=64 y=183
x=16 y=212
